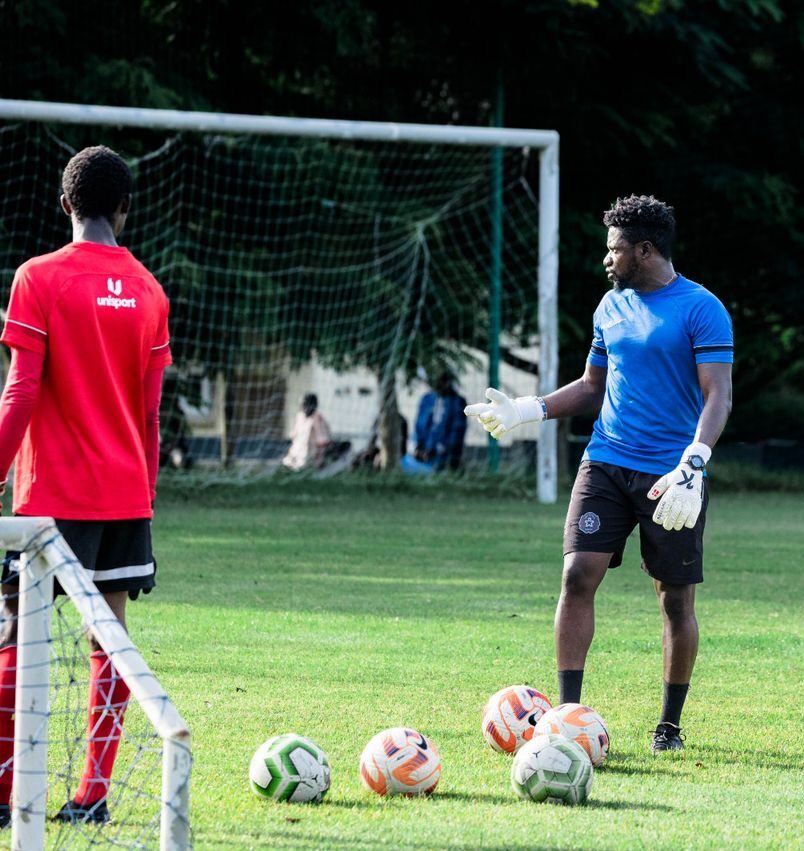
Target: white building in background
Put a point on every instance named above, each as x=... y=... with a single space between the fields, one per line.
x=268 y=395
x=350 y=400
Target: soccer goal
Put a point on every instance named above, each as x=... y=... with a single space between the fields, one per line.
x=357 y=261
x=149 y=793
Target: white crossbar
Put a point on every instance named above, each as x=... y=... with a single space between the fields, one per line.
x=273 y=125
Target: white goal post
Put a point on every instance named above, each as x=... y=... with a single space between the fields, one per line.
x=45 y=557
x=545 y=141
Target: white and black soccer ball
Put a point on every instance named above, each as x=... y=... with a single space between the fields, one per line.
x=552 y=768
x=290 y=768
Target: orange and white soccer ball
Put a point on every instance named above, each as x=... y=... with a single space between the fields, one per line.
x=580 y=724
x=400 y=761
x=511 y=715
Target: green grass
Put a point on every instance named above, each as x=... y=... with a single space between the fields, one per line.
x=336 y=613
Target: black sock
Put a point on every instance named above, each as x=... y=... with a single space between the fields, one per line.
x=674 y=696
x=569 y=686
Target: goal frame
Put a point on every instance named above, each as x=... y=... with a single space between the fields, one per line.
x=46 y=556
x=545 y=141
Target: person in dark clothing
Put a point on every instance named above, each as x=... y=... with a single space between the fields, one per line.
x=440 y=427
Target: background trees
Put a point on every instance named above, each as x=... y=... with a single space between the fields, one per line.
x=691 y=101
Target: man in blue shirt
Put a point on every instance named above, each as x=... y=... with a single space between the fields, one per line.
x=658 y=377
x=440 y=426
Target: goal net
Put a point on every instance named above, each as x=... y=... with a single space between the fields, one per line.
x=356 y=262
x=149 y=792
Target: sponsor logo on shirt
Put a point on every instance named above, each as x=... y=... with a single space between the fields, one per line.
x=114 y=300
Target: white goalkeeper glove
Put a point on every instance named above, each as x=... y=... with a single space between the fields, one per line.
x=501 y=413
x=681 y=490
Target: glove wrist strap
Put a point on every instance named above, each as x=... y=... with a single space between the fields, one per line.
x=531 y=408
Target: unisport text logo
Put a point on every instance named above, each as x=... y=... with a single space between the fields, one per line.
x=115 y=287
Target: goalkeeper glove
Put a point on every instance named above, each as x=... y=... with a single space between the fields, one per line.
x=500 y=414
x=681 y=490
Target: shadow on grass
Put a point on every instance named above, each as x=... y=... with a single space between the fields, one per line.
x=438 y=796
x=475 y=798
x=289 y=840
x=629 y=769
x=354 y=804
x=594 y=804
x=703 y=756
x=715 y=756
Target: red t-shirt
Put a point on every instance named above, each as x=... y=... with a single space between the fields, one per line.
x=100 y=318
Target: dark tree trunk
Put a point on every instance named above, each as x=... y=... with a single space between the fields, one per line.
x=389 y=433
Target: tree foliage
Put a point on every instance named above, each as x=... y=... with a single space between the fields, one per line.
x=691 y=100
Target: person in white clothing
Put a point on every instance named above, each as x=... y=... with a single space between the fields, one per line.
x=310 y=437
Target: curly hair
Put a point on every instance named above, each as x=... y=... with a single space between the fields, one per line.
x=643 y=217
x=95 y=181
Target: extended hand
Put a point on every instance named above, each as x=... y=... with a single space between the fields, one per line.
x=501 y=413
x=681 y=492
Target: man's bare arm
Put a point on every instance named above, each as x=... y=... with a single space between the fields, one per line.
x=715 y=380
x=581 y=397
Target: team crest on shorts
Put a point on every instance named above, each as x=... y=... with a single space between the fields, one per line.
x=589 y=523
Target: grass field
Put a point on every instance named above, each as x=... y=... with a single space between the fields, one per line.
x=337 y=613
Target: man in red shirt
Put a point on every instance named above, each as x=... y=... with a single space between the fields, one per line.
x=87 y=328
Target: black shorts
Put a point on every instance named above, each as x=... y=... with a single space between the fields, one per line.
x=116 y=554
x=606 y=505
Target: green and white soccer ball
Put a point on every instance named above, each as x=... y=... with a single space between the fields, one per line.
x=290 y=768
x=552 y=768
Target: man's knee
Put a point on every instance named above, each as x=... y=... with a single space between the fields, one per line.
x=583 y=572
x=677 y=602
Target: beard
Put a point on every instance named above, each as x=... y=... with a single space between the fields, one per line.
x=623 y=282
x=618 y=284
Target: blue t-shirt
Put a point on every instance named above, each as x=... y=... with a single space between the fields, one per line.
x=650 y=343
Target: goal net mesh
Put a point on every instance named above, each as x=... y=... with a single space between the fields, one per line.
x=135 y=792
x=297 y=265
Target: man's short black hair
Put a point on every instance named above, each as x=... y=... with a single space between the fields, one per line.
x=641 y=218
x=95 y=181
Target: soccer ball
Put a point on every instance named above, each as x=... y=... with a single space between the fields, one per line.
x=551 y=768
x=290 y=768
x=580 y=724
x=400 y=761
x=510 y=716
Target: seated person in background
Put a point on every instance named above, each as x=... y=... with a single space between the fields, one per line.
x=440 y=429
x=369 y=458
x=310 y=437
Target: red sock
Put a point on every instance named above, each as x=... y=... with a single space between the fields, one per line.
x=108 y=699
x=8 y=687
